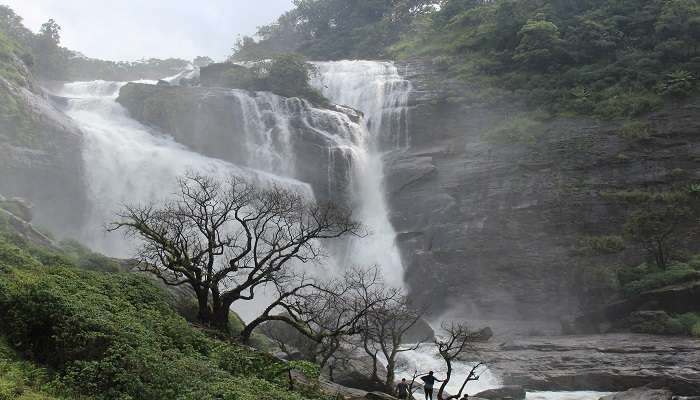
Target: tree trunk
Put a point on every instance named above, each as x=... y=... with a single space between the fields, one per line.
x=220 y=312
x=247 y=331
x=375 y=368
x=390 y=374
x=204 y=313
x=447 y=379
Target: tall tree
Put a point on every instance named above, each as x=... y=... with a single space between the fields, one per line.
x=226 y=241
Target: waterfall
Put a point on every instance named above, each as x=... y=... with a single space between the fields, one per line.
x=128 y=163
x=380 y=93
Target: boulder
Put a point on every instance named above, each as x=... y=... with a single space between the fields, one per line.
x=513 y=392
x=421 y=331
x=484 y=334
x=641 y=394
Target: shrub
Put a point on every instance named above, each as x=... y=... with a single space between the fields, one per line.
x=645 y=278
x=635 y=130
x=655 y=322
x=518 y=129
x=626 y=104
x=115 y=336
x=607 y=244
x=679 y=83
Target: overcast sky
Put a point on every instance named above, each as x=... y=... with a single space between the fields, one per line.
x=135 y=29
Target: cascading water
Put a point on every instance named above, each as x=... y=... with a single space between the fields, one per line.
x=378 y=91
x=128 y=163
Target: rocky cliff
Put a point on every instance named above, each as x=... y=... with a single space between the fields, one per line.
x=285 y=136
x=493 y=225
x=40 y=156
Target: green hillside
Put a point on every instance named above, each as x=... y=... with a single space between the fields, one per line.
x=72 y=333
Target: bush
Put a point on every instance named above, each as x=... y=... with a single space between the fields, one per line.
x=679 y=83
x=518 y=129
x=635 y=130
x=655 y=322
x=626 y=104
x=607 y=244
x=115 y=336
x=645 y=278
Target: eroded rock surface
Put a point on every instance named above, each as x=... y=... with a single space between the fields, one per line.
x=493 y=225
x=609 y=363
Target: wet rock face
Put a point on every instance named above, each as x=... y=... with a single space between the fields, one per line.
x=607 y=363
x=41 y=162
x=284 y=136
x=496 y=224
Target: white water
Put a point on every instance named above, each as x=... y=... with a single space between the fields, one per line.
x=426 y=359
x=127 y=163
x=376 y=89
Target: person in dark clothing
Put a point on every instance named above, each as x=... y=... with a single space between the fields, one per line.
x=402 y=389
x=428 y=382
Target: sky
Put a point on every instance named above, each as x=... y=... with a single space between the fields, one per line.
x=134 y=29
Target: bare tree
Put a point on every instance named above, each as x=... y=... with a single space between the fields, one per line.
x=472 y=376
x=324 y=312
x=456 y=340
x=385 y=327
x=226 y=240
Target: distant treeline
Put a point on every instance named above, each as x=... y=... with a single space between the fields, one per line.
x=44 y=56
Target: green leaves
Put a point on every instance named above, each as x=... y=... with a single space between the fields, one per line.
x=115 y=336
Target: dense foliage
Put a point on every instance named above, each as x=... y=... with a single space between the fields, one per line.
x=334 y=29
x=602 y=57
x=287 y=75
x=609 y=58
x=97 y=335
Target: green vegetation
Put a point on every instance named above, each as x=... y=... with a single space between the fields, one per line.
x=334 y=29
x=635 y=130
x=69 y=333
x=661 y=323
x=43 y=54
x=606 y=244
x=647 y=277
x=287 y=75
x=518 y=129
x=605 y=58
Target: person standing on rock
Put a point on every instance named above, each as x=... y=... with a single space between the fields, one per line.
x=402 y=389
x=428 y=382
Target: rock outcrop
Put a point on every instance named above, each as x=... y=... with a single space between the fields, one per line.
x=254 y=129
x=493 y=225
x=607 y=363
x=506 y=392
x=676 y=299
x=41 y=159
